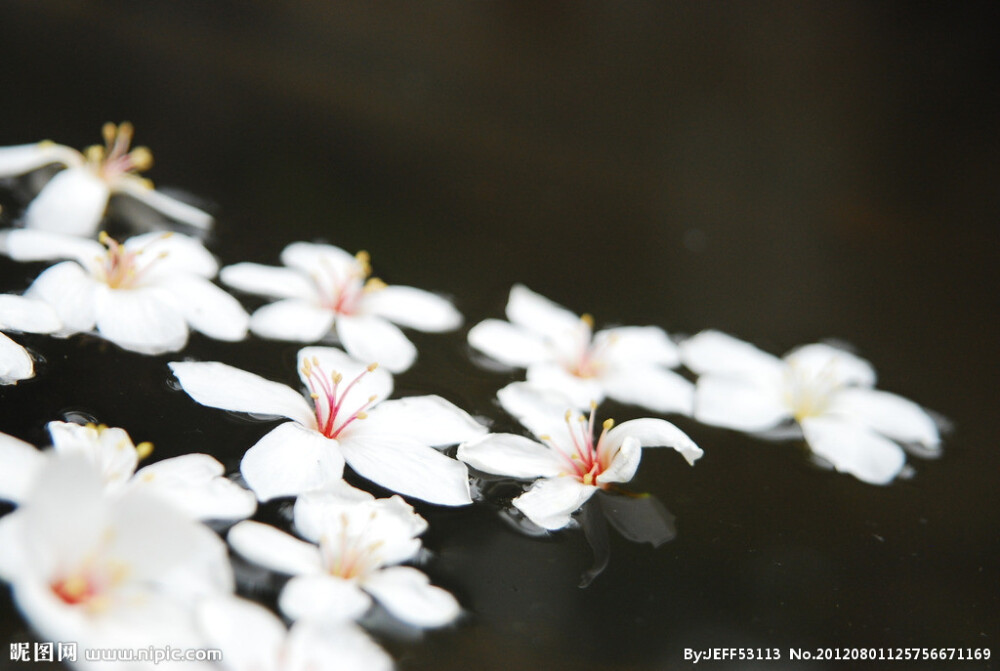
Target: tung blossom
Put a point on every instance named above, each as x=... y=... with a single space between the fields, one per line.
x=356 y=543
x=22 y=314
x=73 y=202
x=193 y=484
x=142 y=294
x=566 y=462
x=324 y=290
x=343 y=417
x=829 y=392
x=561 y=351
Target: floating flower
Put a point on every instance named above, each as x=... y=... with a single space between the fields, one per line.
x=561 y=352
x=22 y=314
x=345 y=418
x=356 y=545
x=142 y=294
x=73 y=202
x=324 y=289
x=107 y=571
x=251 y=638
x=568 y=464
x=192 y=483
x=827 y=391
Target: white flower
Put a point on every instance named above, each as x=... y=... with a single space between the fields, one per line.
x=142 y=294
x=194 y=484
x=346 y=418
x=22 y=314
x=107 y=571
x=251 y=638
x=561 y=352
x=359 y=542
x=324 y=289
x=568 y=463
x=73 y=202
x=828 y=391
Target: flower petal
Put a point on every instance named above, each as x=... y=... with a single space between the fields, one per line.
x=377 y=383
x=738 y=404
x=541 y=411
x=20 y=463
x=140 y=320
x=289 y=460
x=428 y=419
x=838 y=365
x=625 y=462
x=23 y=158
x=581 y=391
x=73 y=202
x=714 y=352
x=274 y=549
x=509 y=454
x=18 y=313
x=413 y=308
x=312 y=258
x=891 y=415
x=207 y=308
x=292 y=319
x=409 y=467
x=313 y=647
x=270 y=281
x=193 y=484
x=509 y=344
x=71 y=293
x=540 y=315
x=247 y=634
x=110 y=450
x=370 y=338
x=220 y=385
x=651 y=387
x=550 y=502
x=855 y=449
x=162 y=203
x=638 y=344
x=15 y=362
x=23 y=244
x=651 y=432
x=323 y=598
x=407 y=594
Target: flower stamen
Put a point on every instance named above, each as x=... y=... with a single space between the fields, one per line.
x=328 y=398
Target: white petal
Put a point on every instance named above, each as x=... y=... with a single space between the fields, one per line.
x=140 y=320
x=855 y=449
x=541 y=411
x=247 y=634
x=637 y=344
x=271 y=281
x=538 y=314
x=23 y=244
x=625 y=462
x=73 y=202
x=891 y=415
x=220 y=385
x=15 y=558
x=311 y=258
x=165 y=205
x=655 y=433
x=23 y=158
x=407 y=593
x=193 y=484
x=651 y=387
x=509 y=344
x=550 y=502
x=71 y=292
x=313 y=508
x=324 y=599
x=20 y=463
x=413 y=308
x=292 y=319
x=377 y=383
x=274 y=549
x=110 y=450
x=174 y=253
x=409 y=467
x=312 y=647
x=369 y=338
x=509 y=454
x=713 y=352
x=207 y=308
x=833 y=363
x=15 y=362
x=290 y=460
x=581 y=391
x=428 y=419
x=738 y=404
x=18 y=313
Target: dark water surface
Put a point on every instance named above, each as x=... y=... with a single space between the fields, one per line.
x=783 y=172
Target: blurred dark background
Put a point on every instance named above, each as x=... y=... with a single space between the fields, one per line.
x=783 y=171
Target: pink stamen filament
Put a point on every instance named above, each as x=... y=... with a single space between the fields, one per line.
x=328 y=398
x=351 y=558
x=120 y=267
x=585 y=460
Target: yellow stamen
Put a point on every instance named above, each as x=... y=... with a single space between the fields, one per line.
x=587 y=319
x=144 y=449
x=608 y=423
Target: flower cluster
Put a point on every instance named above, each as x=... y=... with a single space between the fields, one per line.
x=100 y=551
